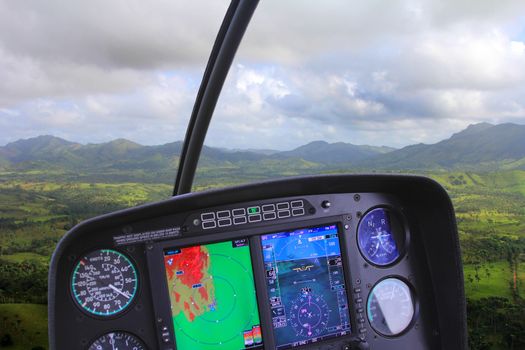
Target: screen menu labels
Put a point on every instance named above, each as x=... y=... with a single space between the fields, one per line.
x=306 y=285
x=212 y=296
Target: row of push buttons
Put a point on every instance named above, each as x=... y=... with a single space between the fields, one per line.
x=239 y=216
x=360 y=313
x=165 y=334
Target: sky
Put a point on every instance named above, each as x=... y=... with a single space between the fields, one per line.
x=391 y=73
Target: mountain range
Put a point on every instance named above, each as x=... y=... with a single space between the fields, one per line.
x=479 y=147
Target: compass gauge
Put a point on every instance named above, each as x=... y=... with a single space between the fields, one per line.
x=309 y=315
x=381 y=237
x=104 y=282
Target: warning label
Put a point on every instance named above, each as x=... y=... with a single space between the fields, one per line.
x=148 y=236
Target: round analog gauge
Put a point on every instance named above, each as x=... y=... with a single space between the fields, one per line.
x=309 y=315
x=104 y=282
x=380 y=237
x=117 y=340
x=390 y=307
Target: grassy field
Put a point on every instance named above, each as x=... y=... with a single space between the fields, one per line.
x=490 y=210
x=26 y=324
x=486 y=280
x=25 y=256
x=521 y=279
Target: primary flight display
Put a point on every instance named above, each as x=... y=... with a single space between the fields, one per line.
x=306 y=285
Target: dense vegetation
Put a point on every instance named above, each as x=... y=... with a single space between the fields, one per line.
x=490 y=209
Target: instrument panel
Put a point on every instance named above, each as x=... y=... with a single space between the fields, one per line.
x=328 y=262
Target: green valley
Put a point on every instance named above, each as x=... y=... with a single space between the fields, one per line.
x=48 y=185
x=490 y=209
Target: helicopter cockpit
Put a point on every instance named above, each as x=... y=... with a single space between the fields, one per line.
x=312 y=262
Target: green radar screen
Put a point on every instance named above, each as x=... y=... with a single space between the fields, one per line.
x=212 y=295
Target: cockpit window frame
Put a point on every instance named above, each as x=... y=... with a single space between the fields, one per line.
x=223 y=52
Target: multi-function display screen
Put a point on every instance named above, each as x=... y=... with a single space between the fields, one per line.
x=212 y=295
x=306 y=285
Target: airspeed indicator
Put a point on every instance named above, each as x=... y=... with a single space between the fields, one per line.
x=104 y=282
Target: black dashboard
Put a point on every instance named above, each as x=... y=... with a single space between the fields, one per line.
x=321 y=262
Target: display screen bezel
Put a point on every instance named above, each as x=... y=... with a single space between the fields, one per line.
x=247 y=244
x=346 y=281
x=160 y=294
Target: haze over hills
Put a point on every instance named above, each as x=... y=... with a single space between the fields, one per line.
x=479 y=147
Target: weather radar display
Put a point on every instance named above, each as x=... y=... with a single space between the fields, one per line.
x=306 y=285
x=212 y=295
x=379 y=235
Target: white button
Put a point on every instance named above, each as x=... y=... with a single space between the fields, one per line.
x=223 y=214
x=225 y=222
x=297 y=204
x=268 y=207
x=239 y=220
x=254 y=218
x=298 y=212
x=239 y=212
x=269 y=216
x=208 y=224
x=207 y=216
x=283 y=206
x=283 y=213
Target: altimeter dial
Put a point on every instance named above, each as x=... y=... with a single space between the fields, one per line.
x=117 y=341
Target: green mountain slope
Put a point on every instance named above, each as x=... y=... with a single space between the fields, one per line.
x=479 y=147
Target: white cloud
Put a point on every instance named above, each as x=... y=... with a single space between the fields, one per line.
x=374 y=72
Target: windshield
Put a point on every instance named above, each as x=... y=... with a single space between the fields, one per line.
x=95 y=98
x=130 y=71
x=335 y=87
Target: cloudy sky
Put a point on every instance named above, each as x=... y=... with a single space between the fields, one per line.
x=393 y=72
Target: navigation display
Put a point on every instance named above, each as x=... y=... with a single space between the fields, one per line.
x=306 y=285
x=212 y=296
